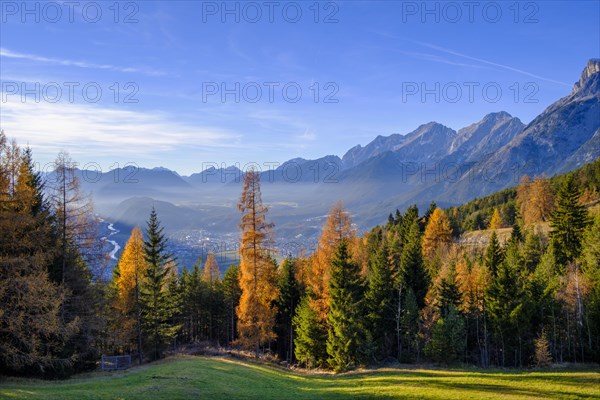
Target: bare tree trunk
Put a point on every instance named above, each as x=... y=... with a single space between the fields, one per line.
x=291 y=354
x=398 y=318
x=503 y=348
x=232 y=322
x=139 y=317
x=64 y=237
x=569 y=334
x=485 y=338
x=579 y=313
x=481 y=351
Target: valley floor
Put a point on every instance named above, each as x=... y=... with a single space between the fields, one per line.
x=222 y=378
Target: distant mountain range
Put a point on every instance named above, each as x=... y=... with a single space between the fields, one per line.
x=433 y=162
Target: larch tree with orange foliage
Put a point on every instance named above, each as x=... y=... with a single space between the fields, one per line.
x=258 y=274
x=338 y=227
x=473 y=279
x=211 y=269
x=496 y=220
x=535 y=200
x=132 y=267
x=312 y=324
x=31 y=333
x=438 y=234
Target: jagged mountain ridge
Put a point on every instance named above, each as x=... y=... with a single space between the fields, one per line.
x=562 y=138
x=431 y=162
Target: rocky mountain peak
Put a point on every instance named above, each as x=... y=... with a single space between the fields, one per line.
x=590 y=73
x=497 y=116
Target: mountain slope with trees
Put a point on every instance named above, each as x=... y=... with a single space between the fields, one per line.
x=411 y=289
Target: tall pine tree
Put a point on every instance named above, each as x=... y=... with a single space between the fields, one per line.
x=232 y=292
x=310 y=335
x=289 y=298
x=568 y=222
x=508 y=307
x=346 y=338
x=156 y=305
x=257 y=308
x=493 y=254
x=412 y=269
x=379 y=300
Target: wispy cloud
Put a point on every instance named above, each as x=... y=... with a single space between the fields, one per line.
x=79 y=64
x=438 y=59
x=104 y=132
x=482 y=62
x=307 y=136
x=236 y=49
x=487 y=62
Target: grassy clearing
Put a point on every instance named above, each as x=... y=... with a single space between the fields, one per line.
x=221 y=378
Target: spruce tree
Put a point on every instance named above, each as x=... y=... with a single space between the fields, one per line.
x=449 y=295
x=390 y=220
x=154 y=295
x=31 y=179
x=493 y=255
x=448 y=337
x=515 y=235
x=174 y=298
x=412 y=269
x=429 y=212
x=310 y=335
x=232 y=292
x=289 y=298
x=337 y=227
x=532 y=250
x=346 y=338
x=411 y=283
x=590 y=258
x=409 y=325
x=410 y=215
x=508 y=308
x=379 y=300
x=194 y=301
x=397 y=217
x=568 y=222
x=214 y=302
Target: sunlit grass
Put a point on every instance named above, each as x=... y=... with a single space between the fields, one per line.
x=221 y=378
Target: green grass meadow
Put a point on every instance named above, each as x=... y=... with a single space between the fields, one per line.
x=222 y=378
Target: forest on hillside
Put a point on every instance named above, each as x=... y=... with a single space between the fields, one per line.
x=408 y=291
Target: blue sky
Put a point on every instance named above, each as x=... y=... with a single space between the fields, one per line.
x=155 y=72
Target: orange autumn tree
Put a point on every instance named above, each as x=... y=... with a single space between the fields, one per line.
x=337 y=228
x=473 y=279
x=496 y=220
x=535 y=199
x=211 y=269
x=438 y=234
x=258 y=274
x=132 y=266
x=31 y=333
